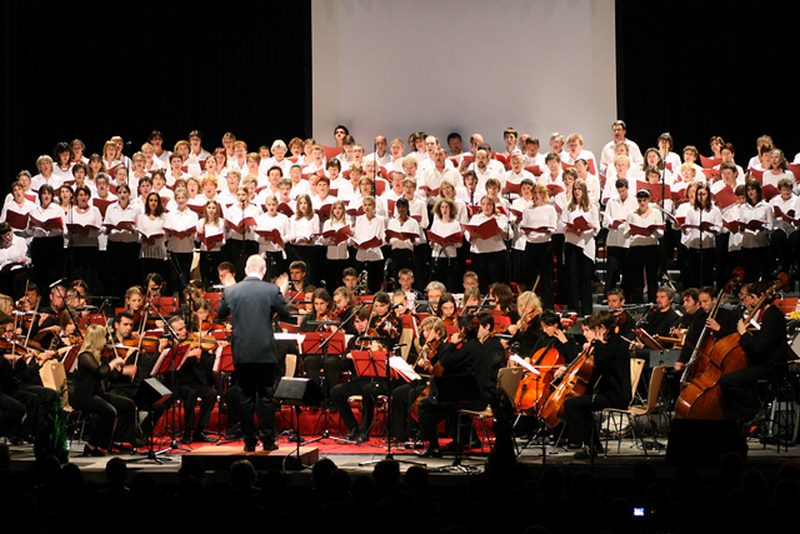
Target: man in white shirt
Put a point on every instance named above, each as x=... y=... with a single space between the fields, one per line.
x=619 y=130
x=381 y=154
x=197 y=154
x=431 y=178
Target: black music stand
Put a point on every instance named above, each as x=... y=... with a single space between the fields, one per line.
x=375 y=364
x=325 y=344
x=170 y=361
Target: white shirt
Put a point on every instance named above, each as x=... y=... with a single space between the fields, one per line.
x=53 y=211
x=209 y=230
x=151 y=227
x=539 y=217
x=235 y=216
x=267 y=222
x=495 y=243
x=335 y=252
x=14 y=256
x=586 y=239
x=180 y=221
x=115 y=214
x=91 y=218
x=617 y=210
x=365 y=229
x=410 y=226
x=760 y=212
x=652 y=217
x=19 y=214
x=705 y=239
x=793 y=204
x=303 y=228
x=444 y=229
x=607 y=155
x=54 y=181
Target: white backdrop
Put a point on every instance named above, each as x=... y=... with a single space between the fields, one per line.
x=396 y=66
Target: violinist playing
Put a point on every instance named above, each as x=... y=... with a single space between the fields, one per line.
x=526 y=330
x=368 y=387
x=333 y=365
x=609 y=386
x=433 y=344
x=764 y=342
x=384 y=322
x=194 y=379
x=467 y=360
x=116 y=414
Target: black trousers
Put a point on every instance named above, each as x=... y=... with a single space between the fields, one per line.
x=84 y=265
x=402 y=259
x=47 y=256
x=181 y=263
x=122 y=259
x=491 y=267
x=256 y=381
x=615 y=261
x=333 y=365
x=580 y=271
x=578 y=416
x=276 y=264
x=116 y=418
x=446 y=271
x=403 y=397
x=431 y=412
x=756 y=263
x=538 y=263
x=785 y=249
x=644 y=264
x=700 y=267
x=738 y=389
x=190 y=393
x=369 y=390
x=11 y=413
x=237 y=251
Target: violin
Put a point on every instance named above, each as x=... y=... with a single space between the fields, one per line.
x=195 y=339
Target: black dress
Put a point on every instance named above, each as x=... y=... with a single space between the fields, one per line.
x=116 y=414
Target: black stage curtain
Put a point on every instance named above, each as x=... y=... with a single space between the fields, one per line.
x=698 y=69
x=92 y=70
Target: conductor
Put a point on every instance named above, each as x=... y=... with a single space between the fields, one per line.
x=250 y=304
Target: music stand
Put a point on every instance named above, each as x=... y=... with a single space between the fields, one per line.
x=169 y=361
x=376 y=364
x=324 y=344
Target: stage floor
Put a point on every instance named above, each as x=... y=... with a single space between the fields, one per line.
x=360 y=460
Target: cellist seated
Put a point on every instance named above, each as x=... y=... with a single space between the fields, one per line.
x=765 y=348
x=609 y=386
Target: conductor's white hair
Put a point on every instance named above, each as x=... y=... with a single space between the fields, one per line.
x=255 y=266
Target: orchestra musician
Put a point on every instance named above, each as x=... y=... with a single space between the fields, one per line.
x=332 y=365
x=765 y=348
x=194 y=379
x=368 y=387
x=661 y=319
x=470 y=359
x=610 y=385
x=116 y=414
x=721 y=326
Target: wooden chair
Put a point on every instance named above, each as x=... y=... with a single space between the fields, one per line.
x=638 y=410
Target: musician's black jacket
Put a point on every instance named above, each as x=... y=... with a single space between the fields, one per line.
x=767 y=346
x=612 y=371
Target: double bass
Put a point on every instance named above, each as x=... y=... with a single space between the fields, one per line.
x=701 y=397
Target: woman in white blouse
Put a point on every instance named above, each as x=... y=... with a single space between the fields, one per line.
x=83 y=224
x=150 y=225
x=756 y=217
x=273 y=249
x=47 y=226
x=537 y=225
x=369 y=227
x=489 y=255
x=446 y=264
x=785 y=237
x=645 y=227
x=579 y=248
x=211 y=234
x=180 y=226
x=123 y=241
x=17 y=208
x=702 y=224
x=336 y=256
x=303 y=237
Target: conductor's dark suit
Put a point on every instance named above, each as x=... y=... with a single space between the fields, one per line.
x=250 y=303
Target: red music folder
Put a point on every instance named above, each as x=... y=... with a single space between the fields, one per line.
x=644 y=230
x=579 y=225
x=273 y=236
x=180 y=234
x=725 y=197
x=655 y=191
x=18 y=221
x=445 y=241
x=84 y=229
x=403 y=236
x=49 y=225
x=122 y=226
x=372 y=242
x=338 y=236
x=485 y=230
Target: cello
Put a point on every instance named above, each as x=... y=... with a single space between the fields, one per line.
x=534 y=389
x=701 y=397
x=573 y=383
